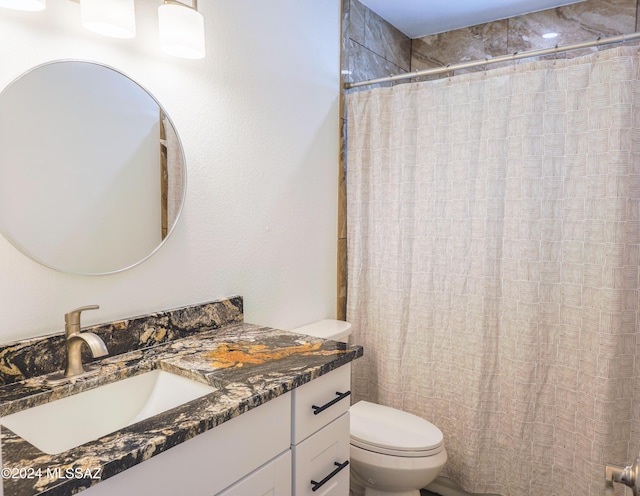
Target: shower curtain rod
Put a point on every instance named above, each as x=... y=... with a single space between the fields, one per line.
x=503 y=58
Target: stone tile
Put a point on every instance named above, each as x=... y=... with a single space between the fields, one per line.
x=346 y=23
x=342 y=182
x=342 y=280
x=344 y=62
x=370 y=45
x=385 y=40
x=576 y=23
x=365 y=64
x=462 y=45
x=357 y=14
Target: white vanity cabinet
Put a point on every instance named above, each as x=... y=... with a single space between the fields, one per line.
x=211 y=462
x=319 y=444
x=276 y=449
x=320 y=435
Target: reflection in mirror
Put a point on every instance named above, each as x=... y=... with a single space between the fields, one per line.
x=92 y=176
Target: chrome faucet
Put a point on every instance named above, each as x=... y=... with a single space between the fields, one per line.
x=75 y=338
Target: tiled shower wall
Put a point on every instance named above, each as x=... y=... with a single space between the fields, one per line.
x=372 y=48
x=576 y=23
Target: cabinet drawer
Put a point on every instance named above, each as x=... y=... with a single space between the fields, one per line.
x=317 y=403
x=321 y=461
x=273 y=479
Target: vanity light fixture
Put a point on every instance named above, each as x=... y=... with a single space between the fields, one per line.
x=181 y=29
x=181 y=26
x=27 y=5
x=114 y=18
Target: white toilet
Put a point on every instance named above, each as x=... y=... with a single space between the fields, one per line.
x=393 y=453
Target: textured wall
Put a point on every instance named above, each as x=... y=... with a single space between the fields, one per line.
x=258 y=119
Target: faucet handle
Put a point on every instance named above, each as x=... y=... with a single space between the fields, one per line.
x=72 y=319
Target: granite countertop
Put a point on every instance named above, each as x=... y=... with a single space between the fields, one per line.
x=248 y=364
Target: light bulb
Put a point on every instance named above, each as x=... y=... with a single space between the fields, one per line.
x=114 y=18
x=27 y=5
x=181 y=30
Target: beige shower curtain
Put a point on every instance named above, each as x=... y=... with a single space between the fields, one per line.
x=493 y=253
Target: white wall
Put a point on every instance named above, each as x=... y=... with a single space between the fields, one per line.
x=258 y=119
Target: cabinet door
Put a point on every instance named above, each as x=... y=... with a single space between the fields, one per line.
x=321 y=461
x=273 y=479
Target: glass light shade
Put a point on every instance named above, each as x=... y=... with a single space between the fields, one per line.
x=115 y=18
x=28 y=5
x=181 y=31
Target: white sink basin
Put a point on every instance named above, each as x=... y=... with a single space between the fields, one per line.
x=69 y=422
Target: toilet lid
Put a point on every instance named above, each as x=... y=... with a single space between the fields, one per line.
x=326 y=329
x=389 y=431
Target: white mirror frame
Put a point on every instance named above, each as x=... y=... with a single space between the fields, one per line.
x=25 y=203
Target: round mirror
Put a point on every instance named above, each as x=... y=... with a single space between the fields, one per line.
x=92 y=176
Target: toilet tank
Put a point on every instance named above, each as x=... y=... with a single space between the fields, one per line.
x=337 y=330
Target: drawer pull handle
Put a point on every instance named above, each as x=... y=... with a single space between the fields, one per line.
x=341 y=396
x=318 y=485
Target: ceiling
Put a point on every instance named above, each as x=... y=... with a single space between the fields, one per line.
x=417 y=18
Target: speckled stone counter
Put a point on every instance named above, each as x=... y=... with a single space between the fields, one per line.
x=248 y=364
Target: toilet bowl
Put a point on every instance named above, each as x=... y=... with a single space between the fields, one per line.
x=393 y=453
